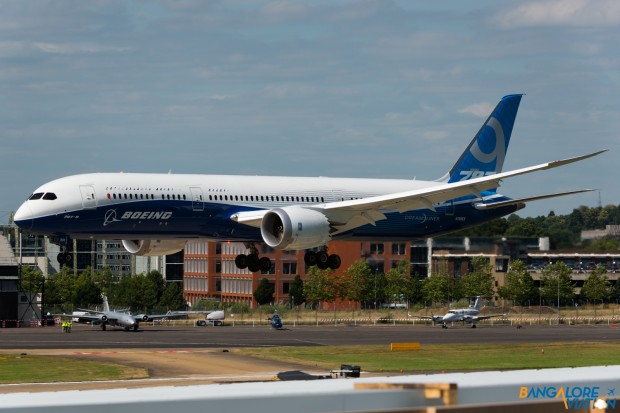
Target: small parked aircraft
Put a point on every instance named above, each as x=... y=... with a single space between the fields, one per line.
x=466 y=315
x=119 y=318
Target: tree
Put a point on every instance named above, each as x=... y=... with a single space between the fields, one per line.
x=172 y=297
x=31 y=279
x=358 y=282
x=157 y=283
x=296 y=291
x=105 y=280
x=414 y=292
x=606 y=244
x=519 y=286
x=597 y=286
x=59 y=287
x=320 y=286
x=441 y=287
x=479 y=281
x=264 y=292
x=85 y=291
x=396 y=281
x=556 y=283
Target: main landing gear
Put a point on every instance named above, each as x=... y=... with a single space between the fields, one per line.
x=252 y=262
x=65 y=257
x=322 y=260
x=255 y=263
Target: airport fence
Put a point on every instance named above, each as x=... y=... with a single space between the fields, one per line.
x=326 y=321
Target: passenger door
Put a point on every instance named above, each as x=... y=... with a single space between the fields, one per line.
x=89 y=199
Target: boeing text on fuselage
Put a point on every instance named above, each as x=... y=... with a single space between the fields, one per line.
x=110 y=216
x=286 y=213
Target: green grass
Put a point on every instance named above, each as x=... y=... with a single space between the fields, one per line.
x=446 y=357
x=49 y=369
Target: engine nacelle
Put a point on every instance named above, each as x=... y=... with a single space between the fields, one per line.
x=294 y=228
x=151 y=247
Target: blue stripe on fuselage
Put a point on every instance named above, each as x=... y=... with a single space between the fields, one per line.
x=155 y=219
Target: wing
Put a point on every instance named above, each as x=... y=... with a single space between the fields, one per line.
x=151 y=317
x=425 y=317
x=486 y=317
x=369 y=210
x=346 y=215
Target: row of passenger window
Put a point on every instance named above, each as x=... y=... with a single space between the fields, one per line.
x=146 y=196
x=248 y=198
x=265 y=198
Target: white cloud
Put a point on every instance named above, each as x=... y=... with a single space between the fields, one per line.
x=481 y=110
x=561 y=13
x=74 y=48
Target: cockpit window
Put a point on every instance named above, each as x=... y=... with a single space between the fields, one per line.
x=34 y=196
x=50 y=196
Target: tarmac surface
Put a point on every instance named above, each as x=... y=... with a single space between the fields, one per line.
x=178 y=356
x=160 y=337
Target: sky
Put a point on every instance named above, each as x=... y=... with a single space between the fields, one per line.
x=368 y=88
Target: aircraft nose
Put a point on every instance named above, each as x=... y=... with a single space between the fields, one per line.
x=23 y=216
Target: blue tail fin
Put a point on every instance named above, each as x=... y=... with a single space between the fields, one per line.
x=486 y=152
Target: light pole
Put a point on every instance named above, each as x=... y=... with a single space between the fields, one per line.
x=558 y=297
x=376 y=270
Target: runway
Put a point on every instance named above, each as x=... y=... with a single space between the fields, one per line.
x=87 y=337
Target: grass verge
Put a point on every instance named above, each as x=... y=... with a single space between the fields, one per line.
x=446 y=357
x=50 y=369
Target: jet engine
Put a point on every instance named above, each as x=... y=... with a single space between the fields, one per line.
x=295 y=228
x=152 y=247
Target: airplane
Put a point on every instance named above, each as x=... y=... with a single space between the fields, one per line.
x=156 y=214
x=119 y=318
x=466 y=315
x=215 y=317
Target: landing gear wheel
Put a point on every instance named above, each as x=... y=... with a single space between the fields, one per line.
x=310 y=258
x=253 y=263
x=264 y=264
x=241 y=261
x=61 y=259
x=103 y=326
x=322 y=260
x=473 y=326
x=333 y=261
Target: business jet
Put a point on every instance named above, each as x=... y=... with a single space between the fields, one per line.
x=466 y=315
x=118 y=318
x=156 y=214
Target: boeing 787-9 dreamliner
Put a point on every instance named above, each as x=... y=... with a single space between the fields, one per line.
x=156 y=214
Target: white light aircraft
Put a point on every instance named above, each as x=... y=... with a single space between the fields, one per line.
x=466 y=315
x=156 y=214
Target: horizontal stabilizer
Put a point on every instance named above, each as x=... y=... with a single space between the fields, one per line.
x=492 y=205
